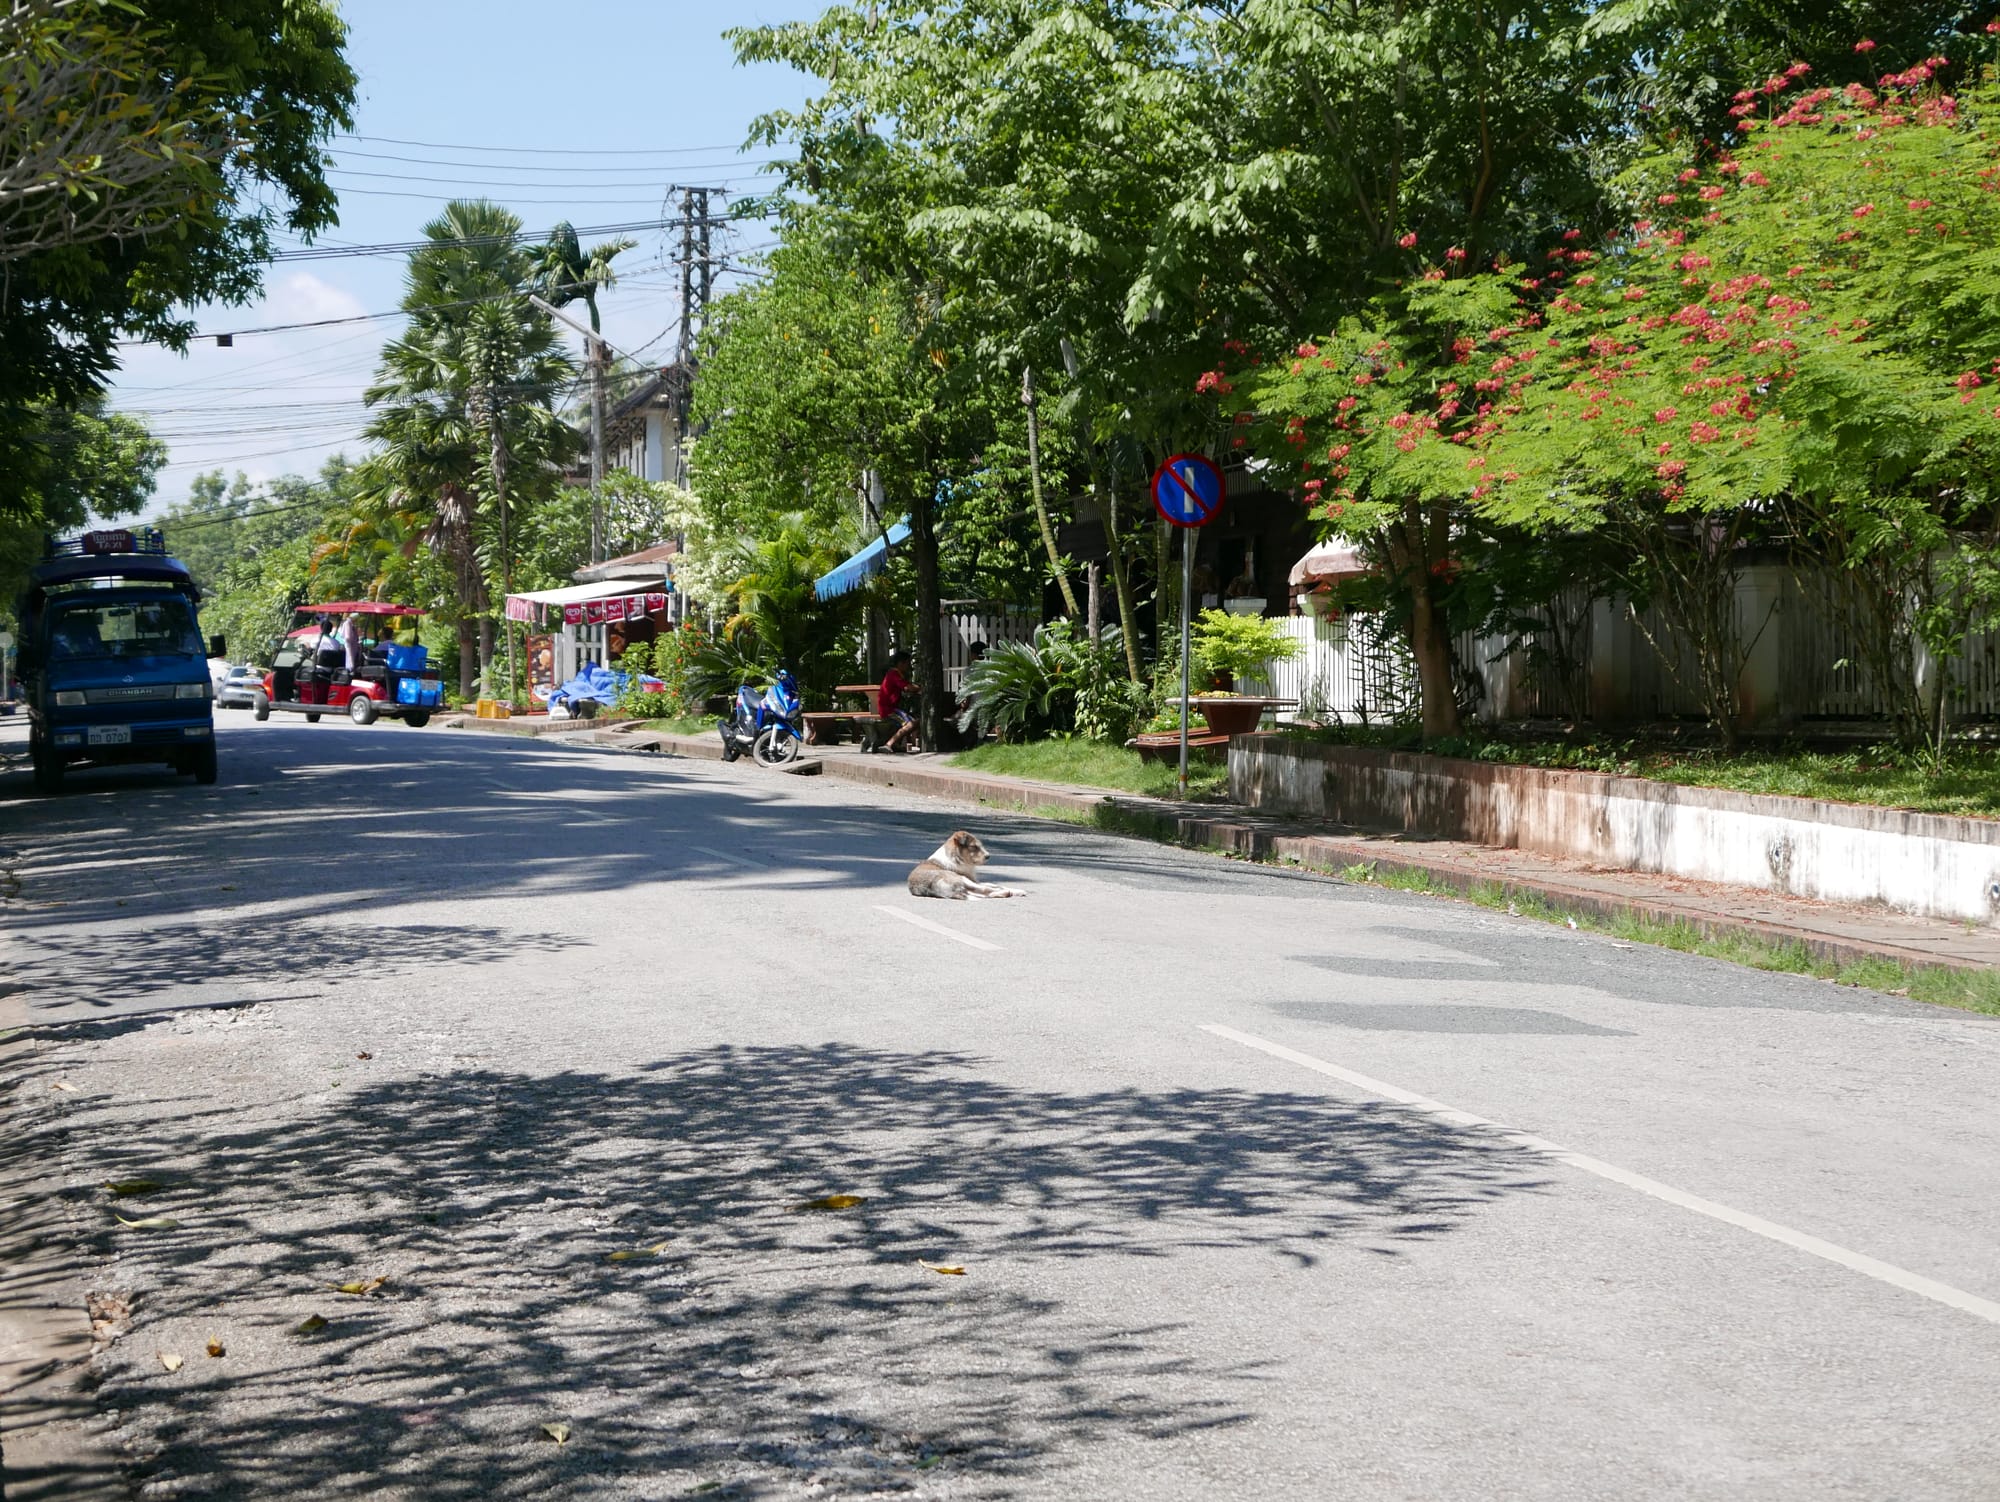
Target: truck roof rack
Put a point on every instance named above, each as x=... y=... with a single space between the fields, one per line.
x=109 y=542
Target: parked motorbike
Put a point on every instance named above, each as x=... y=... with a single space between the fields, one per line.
x=770 y=725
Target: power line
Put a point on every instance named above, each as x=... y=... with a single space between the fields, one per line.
x=542 y=150
x=404 y=247
x=474 y=182
x=564 y=169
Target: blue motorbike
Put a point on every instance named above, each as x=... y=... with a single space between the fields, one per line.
x=770 y=725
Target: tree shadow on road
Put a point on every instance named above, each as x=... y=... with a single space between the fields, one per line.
x=765 y=1347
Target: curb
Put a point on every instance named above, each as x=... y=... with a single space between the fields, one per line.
x=1332 y=854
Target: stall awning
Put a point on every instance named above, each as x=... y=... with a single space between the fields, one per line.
x=863 y=566
x=572 y=599
x=1331 y=562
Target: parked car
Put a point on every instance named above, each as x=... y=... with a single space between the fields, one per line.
x=240 y=687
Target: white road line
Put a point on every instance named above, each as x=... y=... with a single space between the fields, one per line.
x=726 y=858
x=937 y=928
x=1883 y=1272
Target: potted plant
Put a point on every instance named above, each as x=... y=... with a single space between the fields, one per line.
x=1228 y=648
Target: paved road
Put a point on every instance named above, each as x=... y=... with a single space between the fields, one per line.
x=473 y=1014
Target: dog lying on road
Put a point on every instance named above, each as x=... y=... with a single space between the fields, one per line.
x=952 y=871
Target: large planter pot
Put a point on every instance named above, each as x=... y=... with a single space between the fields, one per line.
x=1231 y=716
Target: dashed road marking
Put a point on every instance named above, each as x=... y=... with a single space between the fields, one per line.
x=937 y=928
x=1882 y=1272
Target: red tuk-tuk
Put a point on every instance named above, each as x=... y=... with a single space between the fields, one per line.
x=315 y=673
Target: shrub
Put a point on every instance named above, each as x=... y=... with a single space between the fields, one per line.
x=1238 y=646
x=1055 y=684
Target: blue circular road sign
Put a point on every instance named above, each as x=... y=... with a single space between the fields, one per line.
x=1187 y=490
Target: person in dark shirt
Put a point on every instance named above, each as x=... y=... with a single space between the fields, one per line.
x=890 y=702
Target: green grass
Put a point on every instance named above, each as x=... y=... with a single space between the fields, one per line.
x=690 y=725
x=1966 y=782
x=1970 y=990
x=1094 y=764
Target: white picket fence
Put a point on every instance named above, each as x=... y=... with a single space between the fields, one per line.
x=967 y=623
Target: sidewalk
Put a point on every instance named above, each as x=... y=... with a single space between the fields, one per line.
x=1839 y=934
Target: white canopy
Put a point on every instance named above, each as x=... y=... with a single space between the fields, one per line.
x=1330 y=561
x=576 y=594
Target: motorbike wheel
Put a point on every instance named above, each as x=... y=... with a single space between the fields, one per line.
x=730 y=749
x=775 y=747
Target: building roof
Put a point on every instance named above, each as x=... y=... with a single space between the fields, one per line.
x=647 y=563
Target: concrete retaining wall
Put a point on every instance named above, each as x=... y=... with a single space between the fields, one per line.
x=1917 y=863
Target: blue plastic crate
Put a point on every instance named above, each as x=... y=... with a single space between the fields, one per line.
x=406 y=659
x=425 y=693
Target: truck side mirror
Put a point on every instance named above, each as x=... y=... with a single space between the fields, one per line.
x=218 y=646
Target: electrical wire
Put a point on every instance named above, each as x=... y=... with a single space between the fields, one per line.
x=539 y=150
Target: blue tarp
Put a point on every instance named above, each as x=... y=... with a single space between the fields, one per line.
x=863 y=566
x=598 y=682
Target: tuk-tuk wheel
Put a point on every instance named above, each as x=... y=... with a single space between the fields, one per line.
x=263 y=708
x=416 y=719
x=361 y=709
x=313 y=718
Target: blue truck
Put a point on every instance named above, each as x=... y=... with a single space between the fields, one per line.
x=112 y=663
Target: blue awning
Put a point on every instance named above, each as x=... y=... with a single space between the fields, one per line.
x=863 y=566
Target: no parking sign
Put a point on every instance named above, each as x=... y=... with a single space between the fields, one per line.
x=1188 y=490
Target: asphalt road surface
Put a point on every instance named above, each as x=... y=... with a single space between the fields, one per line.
x=1262 y=1186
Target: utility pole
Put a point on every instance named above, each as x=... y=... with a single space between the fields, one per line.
x=697 y=264
x=595 y=347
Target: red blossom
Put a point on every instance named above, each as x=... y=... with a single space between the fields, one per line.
x=1713 y=191
x=1409 y=241
x=1669 y=198
x=1864 y=211
x=1864 y=46
x=1756 y=179
x=1309 y=351
x=1665 y=415
x=1456 y=253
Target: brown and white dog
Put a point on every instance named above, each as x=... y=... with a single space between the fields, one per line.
x=952 y=871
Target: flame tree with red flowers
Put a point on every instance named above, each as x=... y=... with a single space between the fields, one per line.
x=1797 y=341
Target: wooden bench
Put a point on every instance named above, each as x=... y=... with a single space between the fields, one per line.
x=1165 y=746
x=825 y=727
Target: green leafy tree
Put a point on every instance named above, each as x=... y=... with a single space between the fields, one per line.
x=275 y=70
x=86 y=461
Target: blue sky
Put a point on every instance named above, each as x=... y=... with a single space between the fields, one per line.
x=588 y=111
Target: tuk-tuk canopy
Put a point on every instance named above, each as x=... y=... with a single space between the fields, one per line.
x=357 y=607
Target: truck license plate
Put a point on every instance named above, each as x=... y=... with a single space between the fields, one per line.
x=109 y=735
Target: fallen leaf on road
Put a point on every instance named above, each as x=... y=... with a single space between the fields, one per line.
x=150 y=1223
x=359 y=1286
x=170 y=1361
x=638 y=1254
x=124 y=1187
x=216 y=1348
x=312 y=1324
x=557 y=1432
x=63 y=1085
x=364 y=1056
x=833 y=1202
x=230 y=888
x=946 y=1269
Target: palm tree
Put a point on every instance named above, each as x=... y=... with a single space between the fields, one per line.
x=564 y=273
x=467 y=397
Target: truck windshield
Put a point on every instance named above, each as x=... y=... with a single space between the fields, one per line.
x=139 y=629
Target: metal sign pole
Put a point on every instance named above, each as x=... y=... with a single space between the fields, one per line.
x=1187 y=591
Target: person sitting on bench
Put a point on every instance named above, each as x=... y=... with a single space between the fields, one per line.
x=890 y=705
